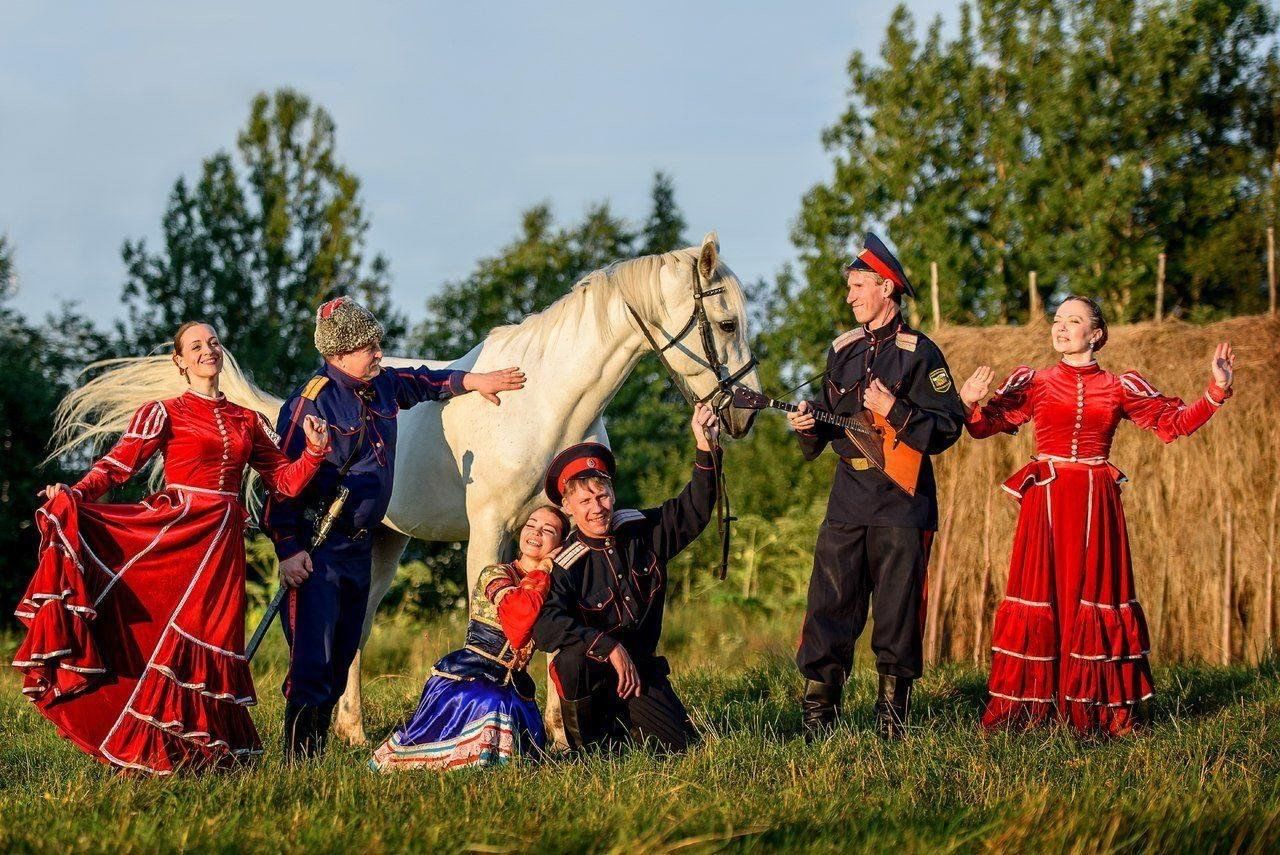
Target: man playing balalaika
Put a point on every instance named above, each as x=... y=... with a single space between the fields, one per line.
x=873 y=545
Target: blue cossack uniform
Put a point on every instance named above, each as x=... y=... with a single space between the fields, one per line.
x=324 y=616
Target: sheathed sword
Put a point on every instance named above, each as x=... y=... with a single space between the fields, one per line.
x=323 y=525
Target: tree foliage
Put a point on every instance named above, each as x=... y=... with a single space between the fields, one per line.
x=1075 y=138
x=258 y=243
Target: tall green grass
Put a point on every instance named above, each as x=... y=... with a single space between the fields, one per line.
x=1203 y=777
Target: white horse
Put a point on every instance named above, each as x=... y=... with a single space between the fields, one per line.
x=466 y=470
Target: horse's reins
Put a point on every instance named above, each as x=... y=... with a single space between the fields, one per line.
x=718 y=398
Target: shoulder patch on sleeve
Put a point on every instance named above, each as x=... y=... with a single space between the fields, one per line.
x=907 y=341
x=845 y=339
x=1019 y=379
x=627 y=515
x=1136 y=384
x=570 y=555
x=312 y=390
x=940 y=380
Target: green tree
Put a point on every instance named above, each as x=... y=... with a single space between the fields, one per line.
x=255 y=247
x=39 y=364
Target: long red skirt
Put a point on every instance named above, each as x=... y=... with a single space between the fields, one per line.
x=1069 y=641
x=135 y=631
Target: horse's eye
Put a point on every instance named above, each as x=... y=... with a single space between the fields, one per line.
x=729 y=327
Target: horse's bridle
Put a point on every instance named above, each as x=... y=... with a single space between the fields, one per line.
x=718 y=398
x=721 y=396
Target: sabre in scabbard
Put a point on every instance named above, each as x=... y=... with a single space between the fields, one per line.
x=323 y=526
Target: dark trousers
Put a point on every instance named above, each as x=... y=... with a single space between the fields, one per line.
x=656 y=716
x=857 y=566
x=323 y=619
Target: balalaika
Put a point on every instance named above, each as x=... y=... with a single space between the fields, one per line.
x=869 y=432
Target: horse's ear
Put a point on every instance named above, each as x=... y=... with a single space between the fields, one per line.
x=709 y=255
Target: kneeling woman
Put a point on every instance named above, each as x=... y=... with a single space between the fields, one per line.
x=477 y=708
x=1069 y=639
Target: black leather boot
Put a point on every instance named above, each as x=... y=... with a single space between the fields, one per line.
x=821 y=705
x=893 y=706
x=579 y=727
x=304 y=732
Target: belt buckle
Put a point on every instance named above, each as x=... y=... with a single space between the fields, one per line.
x=857 y=464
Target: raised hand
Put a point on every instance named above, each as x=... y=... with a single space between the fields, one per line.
x=706 y=426
x=878 y=399
x=976 y=387
x=1223 y=365
x=490 y=383
x=316 y=430
x=802 y=420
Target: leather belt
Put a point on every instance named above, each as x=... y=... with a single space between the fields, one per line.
x=857 y=464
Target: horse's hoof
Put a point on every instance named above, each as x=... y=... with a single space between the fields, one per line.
x=352 y=735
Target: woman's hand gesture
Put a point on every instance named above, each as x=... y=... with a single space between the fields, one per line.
x=316 y=431
x=1223 y=365
x=976 y=387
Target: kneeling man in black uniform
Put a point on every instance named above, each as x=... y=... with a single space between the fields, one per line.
x=873 y=546
x=603 y=614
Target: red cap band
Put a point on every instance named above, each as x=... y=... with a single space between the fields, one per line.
x=873 y=261
x=575 y=468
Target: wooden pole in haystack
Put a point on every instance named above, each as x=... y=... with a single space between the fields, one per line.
x=1271 y=267
x=933 y=295
x=980 y=618
x=1033 y=298
x=1269 y=589
x=1160 y=288
x=1227 y=550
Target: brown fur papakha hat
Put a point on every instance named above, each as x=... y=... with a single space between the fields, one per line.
x=343 y=325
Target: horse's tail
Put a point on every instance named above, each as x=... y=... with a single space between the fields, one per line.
x=100 y=409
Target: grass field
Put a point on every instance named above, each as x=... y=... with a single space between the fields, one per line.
x=1205 y=776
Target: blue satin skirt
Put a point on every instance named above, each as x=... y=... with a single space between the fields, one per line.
x=461 y=723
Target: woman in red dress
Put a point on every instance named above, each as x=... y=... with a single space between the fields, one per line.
x=1069 y=640
x=135 y=615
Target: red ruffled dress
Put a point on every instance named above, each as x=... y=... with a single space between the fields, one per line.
x=1069 y=640
x=135 y=615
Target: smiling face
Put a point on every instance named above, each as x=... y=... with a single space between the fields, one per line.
x=362 y=364
x=541 y=534
x=1073 y=329
x=589 y=501
x=869 y=295
x=199 y=352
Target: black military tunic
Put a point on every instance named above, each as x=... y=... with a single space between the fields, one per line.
x=612 y=591
x=874 y=541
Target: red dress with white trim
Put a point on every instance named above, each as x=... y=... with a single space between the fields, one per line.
x=135 y=614
x=1069 y=640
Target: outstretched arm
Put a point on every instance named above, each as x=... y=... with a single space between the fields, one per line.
x=1010 y=407
x=1166 y=415
x=141 y=440
x=282 y=475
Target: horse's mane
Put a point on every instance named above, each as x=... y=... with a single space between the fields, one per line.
x=631 y=280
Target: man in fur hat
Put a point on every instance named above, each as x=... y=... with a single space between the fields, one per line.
x=329 y=587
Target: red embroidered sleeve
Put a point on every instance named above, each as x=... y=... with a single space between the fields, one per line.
x=1009 y=408
x=141 y=440
x=282 y=475
x=1166 y=415
x=518 y=607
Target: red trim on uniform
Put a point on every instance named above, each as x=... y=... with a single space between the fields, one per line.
x=927 y=537
x=292 y=613
x=555 y=678
x=873 y=261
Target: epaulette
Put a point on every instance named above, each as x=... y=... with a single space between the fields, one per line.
x=570 y=555
x=845 y=339
x=627 y=515
x=907 y=341
x=312 y=390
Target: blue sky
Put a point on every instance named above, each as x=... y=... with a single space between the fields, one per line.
x=455 y=116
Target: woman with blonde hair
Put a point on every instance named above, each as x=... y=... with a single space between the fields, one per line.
x=1070 y=641
x=135 y=615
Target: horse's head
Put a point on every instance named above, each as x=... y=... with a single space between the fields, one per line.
x=703 y=334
